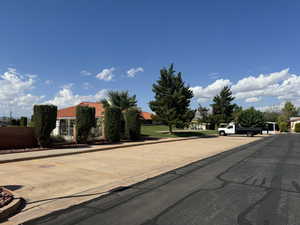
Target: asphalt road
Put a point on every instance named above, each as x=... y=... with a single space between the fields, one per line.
x=255 y=184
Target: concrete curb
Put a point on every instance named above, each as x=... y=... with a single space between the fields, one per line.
x=12 y=207
x=75 y=152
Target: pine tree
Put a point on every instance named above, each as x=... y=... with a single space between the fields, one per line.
x=222 y=108
x=172 y=99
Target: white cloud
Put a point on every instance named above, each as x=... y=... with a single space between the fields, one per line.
x=214 y=75
x=48 y=82
x=253 y=99
x=85 y=73
x=133 y=71
x=260 y=82
x=271 y=108
x=106 y=74
x=280 y=85
x=204 y=94
x=14 y=93
x=65 y=97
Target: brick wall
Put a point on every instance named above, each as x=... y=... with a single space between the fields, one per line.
x=17 y=137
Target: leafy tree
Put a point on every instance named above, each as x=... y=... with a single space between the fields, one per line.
x=85 y=120
x=23 y=121
x=283 y=126
x=251 y=118
x=44 y=119
x=289 y=110
x=222 y=108
x=271 y=116
x=203 y=114
x=237 y=112
x=112 y=124
x=172 y=99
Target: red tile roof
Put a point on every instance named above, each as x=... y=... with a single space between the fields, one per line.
x=71 y=111
x=146 y=115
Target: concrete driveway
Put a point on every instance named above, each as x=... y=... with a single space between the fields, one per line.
x=54 y=183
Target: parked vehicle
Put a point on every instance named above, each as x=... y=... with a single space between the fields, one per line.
x=232 y=128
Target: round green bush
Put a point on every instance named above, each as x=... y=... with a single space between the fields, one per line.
x=132 y=124
x=112 y=124
x=297 y=127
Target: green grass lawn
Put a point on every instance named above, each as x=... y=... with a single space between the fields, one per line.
x=161 y=131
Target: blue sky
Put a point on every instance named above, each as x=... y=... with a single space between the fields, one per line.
x=213 y=43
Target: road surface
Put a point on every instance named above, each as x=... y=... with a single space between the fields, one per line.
x=257 y=184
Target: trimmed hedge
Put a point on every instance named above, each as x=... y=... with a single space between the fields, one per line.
x=85 y=120
x=132 y=124
x=23 y=121
x=283 y=126
x=112 y=124
x=44 y=119
x=297 y=127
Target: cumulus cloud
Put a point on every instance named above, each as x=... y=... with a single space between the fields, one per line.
x=65 y=97
x=260 y=82
x=203 y=94
x=253 y=99
x=281 y=85
x=106 y=74
x=14 y=92
x=85 y=73
x=133 y=71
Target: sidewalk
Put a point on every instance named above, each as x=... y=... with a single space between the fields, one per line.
x=50 y=184
x=23 y=156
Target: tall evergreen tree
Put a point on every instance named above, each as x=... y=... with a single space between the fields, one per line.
x=172 y=99
x=222 y=108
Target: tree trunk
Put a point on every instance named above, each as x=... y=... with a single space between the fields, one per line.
x=170 y=129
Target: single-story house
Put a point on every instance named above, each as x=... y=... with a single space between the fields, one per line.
x=294 y=121
x=66 y=119
x=195 y=124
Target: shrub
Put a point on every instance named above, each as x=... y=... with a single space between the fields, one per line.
x=251 y=118
x=44 y=119
x=85 y=120
x=23 y=121
x=297 y=127
x=283 y=126
x=57 y=139
x=15 y=122
x=112 y=124
x=132 y=124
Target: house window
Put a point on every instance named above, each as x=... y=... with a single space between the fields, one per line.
x=66 y=127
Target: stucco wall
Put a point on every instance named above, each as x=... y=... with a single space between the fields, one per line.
x=17 y=137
